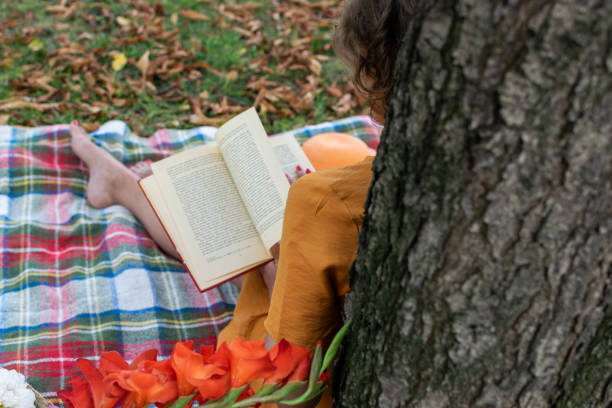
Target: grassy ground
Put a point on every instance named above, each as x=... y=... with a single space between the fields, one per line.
x=170 y=63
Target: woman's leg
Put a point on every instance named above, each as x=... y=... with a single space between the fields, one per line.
x=110 y=182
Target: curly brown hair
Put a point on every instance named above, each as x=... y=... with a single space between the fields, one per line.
x=368 y=37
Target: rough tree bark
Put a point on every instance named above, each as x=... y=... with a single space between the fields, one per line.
x=483 y=272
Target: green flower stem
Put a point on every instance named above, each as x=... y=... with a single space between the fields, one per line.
x=228 y=400
x=333 y=348
x=266 y=390
x=307 y=396
x=315 y=367
x=280 y=394
x=181 y=402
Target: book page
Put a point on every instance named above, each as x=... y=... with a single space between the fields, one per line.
x=256 y=172
x=157 y=200
x=217 y=234
x=290 y=154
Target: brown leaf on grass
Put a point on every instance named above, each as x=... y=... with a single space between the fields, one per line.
x=6 y=62
x=320 y=4
x=61 y=10
x=21 y=104
x=260 y=95
x=202 y=120
x=122 y=21
x=255 y=39
x=260 y=83
x=207 y=67
x=344 y=105
x=90 y=127
x=250 y=6
x=143 y=64
x=267 y=107
x=194 y=15
x=198 y=118
x=243 y=32
x=90 y=109
x=100 y=92
x=4 y=119
x=160 y=9
x=196 y=45
x=9 y=22
x=43 y=83
x=232 y=75
x=89 y=79
x=61 y=26
x=334 y=91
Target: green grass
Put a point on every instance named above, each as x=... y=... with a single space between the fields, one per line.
x=88 y=89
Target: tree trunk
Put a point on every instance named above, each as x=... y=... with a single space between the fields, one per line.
x=483 y=272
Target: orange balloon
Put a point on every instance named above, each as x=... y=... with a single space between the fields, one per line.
x=332 y=150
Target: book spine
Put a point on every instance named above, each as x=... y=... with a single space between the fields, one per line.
x=232 y=278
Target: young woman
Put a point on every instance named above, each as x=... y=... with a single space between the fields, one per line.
x=324 y=210
x=300 y=297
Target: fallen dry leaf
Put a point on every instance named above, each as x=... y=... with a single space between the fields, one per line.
x=315 y=66
x=60 y=10
x=4 y=119
x=119 y=102
x=260 y=95
x=202 y=120
x=90 y=127
x=143 y=64
x=21 y=104
x=194 y=15
x=122 y=21
x=232 y=75
x=6 y=62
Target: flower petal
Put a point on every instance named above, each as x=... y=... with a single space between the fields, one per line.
x=285 y=357
x=250 y=361
x=79 y=396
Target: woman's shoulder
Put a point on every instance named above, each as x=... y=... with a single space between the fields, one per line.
x=351 y=177
x=346 y=187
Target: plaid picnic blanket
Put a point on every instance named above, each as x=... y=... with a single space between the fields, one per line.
x=77 y=281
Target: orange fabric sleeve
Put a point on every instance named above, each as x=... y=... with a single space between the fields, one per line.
x=317 y=249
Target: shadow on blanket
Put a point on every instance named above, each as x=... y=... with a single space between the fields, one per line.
x=77 y=281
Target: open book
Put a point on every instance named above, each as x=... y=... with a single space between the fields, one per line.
x=222 y=203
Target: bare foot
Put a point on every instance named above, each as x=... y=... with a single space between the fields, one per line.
x=142 y=169
x=106 y=174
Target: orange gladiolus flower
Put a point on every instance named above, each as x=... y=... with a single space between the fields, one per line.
x=110 y=362
x=302 y=371
x=77 y=397
x=94 y=391
x=181 y=358
x=250 y=361
x=197 y=370
x=213 y=373
x=286 y=358
x=154 y=382
x=210 y=373
x=94 y=379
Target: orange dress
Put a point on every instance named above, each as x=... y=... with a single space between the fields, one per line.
x=319 y=242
